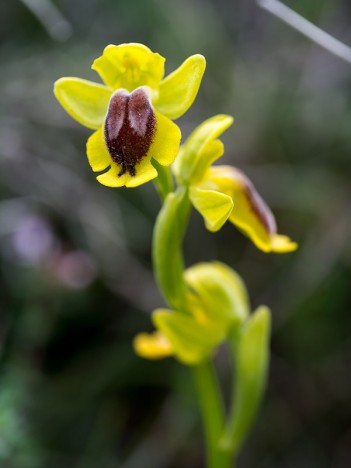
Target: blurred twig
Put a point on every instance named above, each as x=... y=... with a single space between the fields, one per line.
x=306 y=28
x=51 y=18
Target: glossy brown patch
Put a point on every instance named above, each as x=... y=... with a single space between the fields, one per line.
x=129 y=129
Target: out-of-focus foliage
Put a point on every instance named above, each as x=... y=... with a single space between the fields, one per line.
x=76 y=284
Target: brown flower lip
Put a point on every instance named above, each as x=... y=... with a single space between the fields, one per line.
x=129 y=128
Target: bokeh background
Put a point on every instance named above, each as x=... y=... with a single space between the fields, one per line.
x=75 y=271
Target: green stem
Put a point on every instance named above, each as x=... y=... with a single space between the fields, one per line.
x=168 y=236
x=211 y=407
x=168 y=262
x=164 y=181
x=230 y=441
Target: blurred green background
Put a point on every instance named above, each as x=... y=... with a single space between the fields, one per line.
x=75 y=270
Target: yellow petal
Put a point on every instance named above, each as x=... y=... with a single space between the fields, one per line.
x=166 y=142
x=83 y=100
x=215 y=207
x=250 y=214
x=152 y=346
x=98 y=156
x=129 y=66
x=191 y=341
x=178 y=90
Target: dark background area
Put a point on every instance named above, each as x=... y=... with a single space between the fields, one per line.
x=75 y=270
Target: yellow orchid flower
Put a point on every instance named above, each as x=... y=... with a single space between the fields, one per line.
x=218 y=302
x=131 y=112
x=222 y=193
x=249 y=213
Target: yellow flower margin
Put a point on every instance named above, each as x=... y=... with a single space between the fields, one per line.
x=128 y=67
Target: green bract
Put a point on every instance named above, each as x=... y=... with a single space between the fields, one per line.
x=251 y=356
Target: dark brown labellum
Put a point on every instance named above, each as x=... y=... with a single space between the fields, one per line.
x=129 y=129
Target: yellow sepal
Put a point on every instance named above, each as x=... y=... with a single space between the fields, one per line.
x=83 y=100
x=178 y=90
